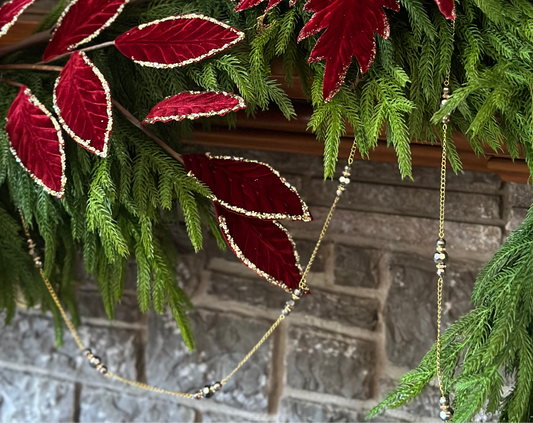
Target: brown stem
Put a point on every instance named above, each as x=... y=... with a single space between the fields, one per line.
x=137 y=123
x=95 y=47
x=15 y=84
x=119 y=107
x=32 y=67
x=40 y=37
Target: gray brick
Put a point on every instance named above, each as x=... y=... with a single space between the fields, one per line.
x=516 y=218
x=520 y=195
x=304 y=411
x=408 y=232
x=305 y=249
x=320 y=363
x=30 y=339
x=427 y=177
x=406 y=200
x=222 y=340
x=355 y=266
x=26 y=397
x=254 y=291
x=218 y=417
x=100 y=405
x=411 y=310
x=90 y=304
x=344 y=309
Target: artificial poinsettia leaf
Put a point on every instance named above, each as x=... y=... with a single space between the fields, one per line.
x=349 y=32
x=80 y=22
x=265 y=247
x=247 y=187
x=247 y=4
x=177 y=41
x=193 y=105
x=82 y=101
x=447 y=8
x=10 y=12
x=36 y=142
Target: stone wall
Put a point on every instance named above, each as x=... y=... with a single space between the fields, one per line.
x=371 y=316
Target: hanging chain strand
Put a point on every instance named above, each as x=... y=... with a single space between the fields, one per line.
x=441 y=256
x=209 y=390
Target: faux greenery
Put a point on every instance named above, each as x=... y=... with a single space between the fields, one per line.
x=116 y=209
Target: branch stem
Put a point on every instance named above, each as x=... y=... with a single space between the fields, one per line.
x=32 y=67
x=119 y=106
x=138 y=124
x=13 y=83
x=95 y=47
x=40 y=37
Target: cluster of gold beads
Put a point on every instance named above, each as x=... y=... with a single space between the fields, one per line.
x=446 y=412
x=208 y=391
x=34 y=255
x=441 y=257
x=95 y=361
x=445 y=97
x=289 y=305
x=344 y=181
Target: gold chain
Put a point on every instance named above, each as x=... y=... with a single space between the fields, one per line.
x=207 y=391
x=303 y=282
x=441 y=256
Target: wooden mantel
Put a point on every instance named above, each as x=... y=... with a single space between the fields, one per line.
x=270 y=131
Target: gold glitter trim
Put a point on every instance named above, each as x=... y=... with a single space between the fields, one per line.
x=240 y=37
x=289 y=237
x=223 y=225
x=109 y=111
x=240 y=105
x=59 y=194
x=5 y=28
x=305 y=216
x=94 y=34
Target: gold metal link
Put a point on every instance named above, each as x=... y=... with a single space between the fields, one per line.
x=254 y=349
x=303 y=282
x=442 y=207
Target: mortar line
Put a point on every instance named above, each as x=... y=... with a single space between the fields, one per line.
x=277 y=368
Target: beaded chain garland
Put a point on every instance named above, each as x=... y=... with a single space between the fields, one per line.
x=441 y=256
x=207 y=391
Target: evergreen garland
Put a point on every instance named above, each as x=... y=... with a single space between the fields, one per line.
x=116 y=209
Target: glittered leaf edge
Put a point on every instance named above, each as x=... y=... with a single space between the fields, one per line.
x=109 y=110
x=304 y=217
x=192 y=116
x=59 y=194
x=238 y=252
x=7 y=26
x=94 y=34
x=210 y=53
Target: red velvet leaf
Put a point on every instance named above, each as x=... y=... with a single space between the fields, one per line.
x=247 y=187
x=265 y=247
x=247 y=4
x=10 y=12
x=447 y=8
x=177 y=41
x=80 y=22
x=349 y=32
x=193 y=105
x=36 y=142
x=82 y=101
